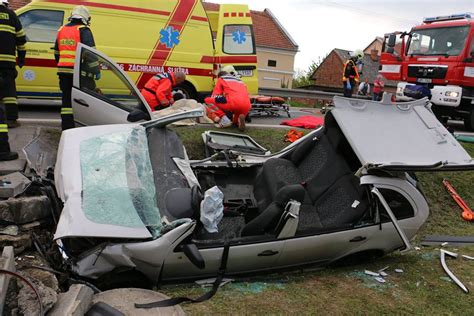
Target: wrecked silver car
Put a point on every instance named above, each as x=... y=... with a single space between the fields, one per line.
x=133 y=200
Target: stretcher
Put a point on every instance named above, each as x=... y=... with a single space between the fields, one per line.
x=268 y=106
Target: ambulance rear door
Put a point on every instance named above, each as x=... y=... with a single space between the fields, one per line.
x=102 y=92
x=235 y=43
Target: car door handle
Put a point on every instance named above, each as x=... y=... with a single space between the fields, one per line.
x=358 y=238
x=81 y=102
x=267 y=253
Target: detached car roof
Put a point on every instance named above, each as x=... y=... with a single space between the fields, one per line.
x=405 y=135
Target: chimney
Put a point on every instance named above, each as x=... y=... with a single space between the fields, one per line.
x=374 y=55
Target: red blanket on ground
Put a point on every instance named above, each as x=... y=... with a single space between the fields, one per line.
x=306 y=121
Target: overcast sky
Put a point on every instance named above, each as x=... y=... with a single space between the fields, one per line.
x=318 y=26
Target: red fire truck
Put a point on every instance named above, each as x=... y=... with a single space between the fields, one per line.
x=435 y=59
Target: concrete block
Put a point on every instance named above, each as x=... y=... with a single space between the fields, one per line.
x=74 y=302
x=25 y=210
x=27 y=300
x=19 y=243
x=7 y=262
x=7 y=167
x=13 y=184
x=124 y=300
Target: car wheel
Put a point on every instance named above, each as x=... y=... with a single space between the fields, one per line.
x=185 y=91
x=469 y=121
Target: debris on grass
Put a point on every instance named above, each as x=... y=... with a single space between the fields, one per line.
x=467 y=257
x=380 y=280
x=255 y=287
x=399 y=270
x=210 y=282
x=375 y=274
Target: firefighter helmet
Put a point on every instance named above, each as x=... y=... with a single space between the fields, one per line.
x=358 y=54
x=80 y=12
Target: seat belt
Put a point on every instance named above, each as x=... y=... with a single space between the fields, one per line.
x=178 y=300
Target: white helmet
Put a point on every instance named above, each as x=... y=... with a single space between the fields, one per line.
x=5 y=1
x=359 y=54
x=80 y=12
x=229 y=69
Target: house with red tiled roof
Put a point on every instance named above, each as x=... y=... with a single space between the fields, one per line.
x=328 y=76
x=276 y=49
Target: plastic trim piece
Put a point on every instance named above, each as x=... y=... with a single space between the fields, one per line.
x=400 y=232
x=443 y=254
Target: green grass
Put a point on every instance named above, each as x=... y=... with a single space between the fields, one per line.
x=271 y=139
x=422 y=289
x=298 y=104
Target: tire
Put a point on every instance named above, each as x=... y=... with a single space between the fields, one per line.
x=469 y=121
x=187 y=90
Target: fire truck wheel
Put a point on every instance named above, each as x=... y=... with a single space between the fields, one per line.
x=469 y=121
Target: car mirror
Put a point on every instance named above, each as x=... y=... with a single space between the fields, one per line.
x=137 y=115
x=392 y=40
x=192 y=253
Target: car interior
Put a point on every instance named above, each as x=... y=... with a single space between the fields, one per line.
x=318 y=172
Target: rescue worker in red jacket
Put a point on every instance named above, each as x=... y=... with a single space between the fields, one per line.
x=12 y=43
x=350 y=74
x=229 y=95
x=76 y=31
x=158 y=91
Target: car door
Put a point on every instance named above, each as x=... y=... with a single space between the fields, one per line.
x=247 y=257
x=322 y=248
x=102 y=92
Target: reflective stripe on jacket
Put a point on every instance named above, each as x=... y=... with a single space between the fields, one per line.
x=12 y=38
x=159 y=89
x=68 y=38
x=350 y=71
x=235 y=91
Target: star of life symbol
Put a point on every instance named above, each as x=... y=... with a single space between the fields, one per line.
x=169 y=37
x=239 y=37
x=29 y=75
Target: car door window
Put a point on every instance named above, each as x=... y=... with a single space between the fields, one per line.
x=103 y=80
x=399 y=204
x=41 y=25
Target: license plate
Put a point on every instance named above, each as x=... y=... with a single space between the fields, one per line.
x=424 y=80
x=245 y=73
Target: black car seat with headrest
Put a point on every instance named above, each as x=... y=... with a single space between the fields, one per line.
x=183 y=203
x=267 y=221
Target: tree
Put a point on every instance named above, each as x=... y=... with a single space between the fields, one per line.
x=302 y=78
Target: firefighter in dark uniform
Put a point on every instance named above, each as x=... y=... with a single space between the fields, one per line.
x=350 y=75
x=76 y=31
x=12 y=40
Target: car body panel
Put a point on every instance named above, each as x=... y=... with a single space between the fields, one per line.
x=92 y=108
x=398 y=134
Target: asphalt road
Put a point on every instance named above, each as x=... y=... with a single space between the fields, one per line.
x=50 y=114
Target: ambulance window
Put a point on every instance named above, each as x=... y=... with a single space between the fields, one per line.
x=238 y=40
x=41 y=25
x=100 y=78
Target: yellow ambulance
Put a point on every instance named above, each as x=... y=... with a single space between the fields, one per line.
x=143 y=37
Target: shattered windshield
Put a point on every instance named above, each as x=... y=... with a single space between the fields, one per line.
x=448 y=41
x=117 y=180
